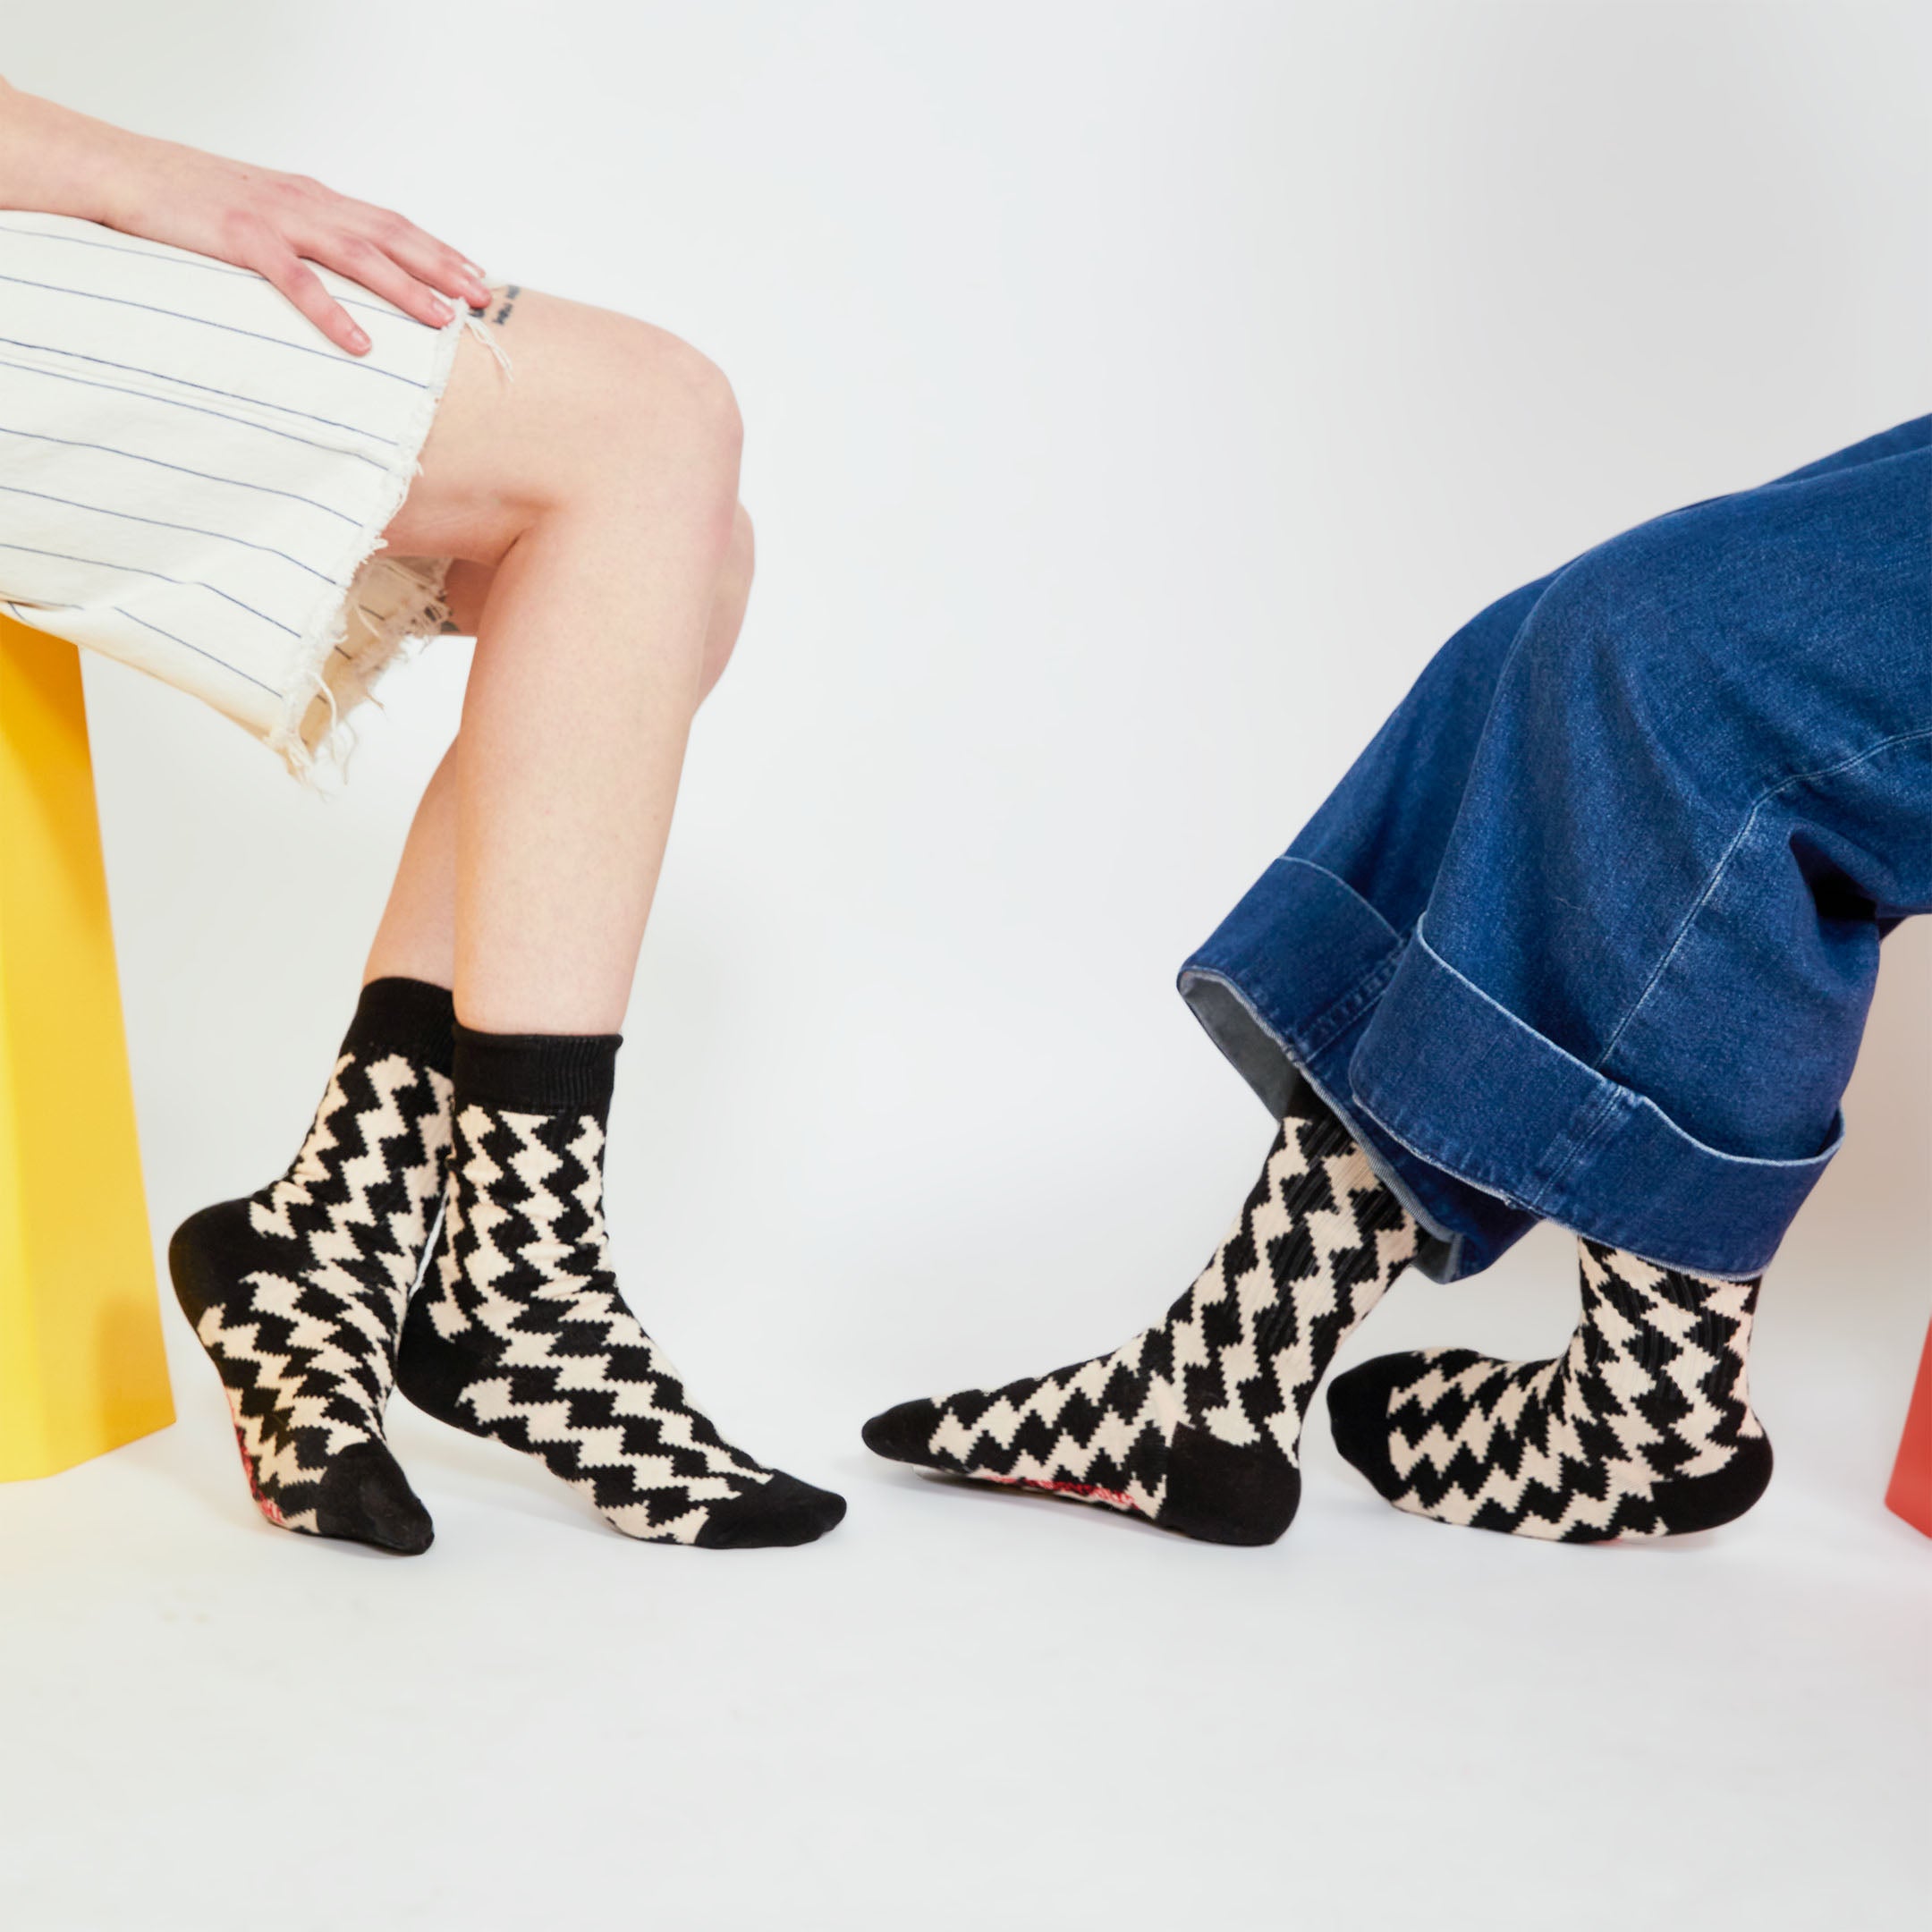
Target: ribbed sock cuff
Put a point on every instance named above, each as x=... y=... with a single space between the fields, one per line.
x=538 y=1072
x=405 y=1016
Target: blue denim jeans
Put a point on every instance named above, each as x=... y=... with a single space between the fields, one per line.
x=1589 y=932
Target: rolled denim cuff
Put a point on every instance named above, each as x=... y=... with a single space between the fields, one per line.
x=1303 y=956
x=1462 y=1082
x=1285 y=987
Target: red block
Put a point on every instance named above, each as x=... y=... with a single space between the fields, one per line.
x=1911 y=1493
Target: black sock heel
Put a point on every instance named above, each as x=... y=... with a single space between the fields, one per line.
x=1223 y=1492
x=192 y=1267
x=1693 y=1503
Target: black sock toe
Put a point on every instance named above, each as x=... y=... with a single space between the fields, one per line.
x=776 y=1515
x=365 y=1498
x=1358 y=1416
x=902 y=1434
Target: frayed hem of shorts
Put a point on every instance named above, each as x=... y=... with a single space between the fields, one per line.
x=382 y=610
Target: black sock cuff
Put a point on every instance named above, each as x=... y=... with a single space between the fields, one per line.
x=405 y=1016
x=539 y=1072
x=1303 y=1102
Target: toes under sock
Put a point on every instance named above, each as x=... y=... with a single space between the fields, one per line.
x=297 y=1292
x=520 y=1333
x=1195 y=1424
x=1643 y=1428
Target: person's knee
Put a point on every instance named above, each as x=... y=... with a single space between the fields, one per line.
x=699 y=395
x=636 y=424
x=672 y=405
x=598 y=416
x=1613 y=622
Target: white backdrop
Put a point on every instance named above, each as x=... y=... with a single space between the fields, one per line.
x=1136 y=394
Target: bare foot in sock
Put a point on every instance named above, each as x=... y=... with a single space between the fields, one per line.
x=1643 y=1428
x=1196 y=1423
x=521 y=1335
x=297 y=1292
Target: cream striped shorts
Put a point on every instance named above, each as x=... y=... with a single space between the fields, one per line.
x=194 y=481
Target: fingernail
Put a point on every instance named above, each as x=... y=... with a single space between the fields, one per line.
x=357 y=341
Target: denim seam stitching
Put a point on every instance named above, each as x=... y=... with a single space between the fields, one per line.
x=1717 y=873
x=1599 y=1111
x=1334 y=1018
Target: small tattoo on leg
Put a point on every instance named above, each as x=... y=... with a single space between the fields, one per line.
x=510 y=296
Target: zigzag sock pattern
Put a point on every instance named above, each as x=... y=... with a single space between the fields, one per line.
x=1643 y=1428
x=297 y=1292
x=523 y=1338
x=1195 y=1424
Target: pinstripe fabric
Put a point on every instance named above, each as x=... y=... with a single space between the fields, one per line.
x=194 y=481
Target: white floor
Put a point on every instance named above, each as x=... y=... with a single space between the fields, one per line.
x=968 y=1709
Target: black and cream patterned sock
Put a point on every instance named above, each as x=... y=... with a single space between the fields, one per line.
x=1196 y=1423
x=519 y=1333
x=297 y=1292
x=1643 y=1429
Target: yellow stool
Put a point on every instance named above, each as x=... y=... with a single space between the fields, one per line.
x=81 y=1365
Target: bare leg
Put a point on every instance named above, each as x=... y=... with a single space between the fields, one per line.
x=416 y=937
x=604 y=565
x=599 y=490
